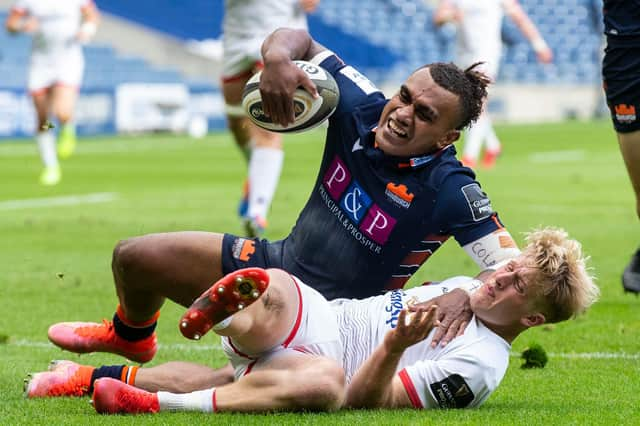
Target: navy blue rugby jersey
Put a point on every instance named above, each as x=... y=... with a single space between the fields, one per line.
x=622 y=18
x=369 y=222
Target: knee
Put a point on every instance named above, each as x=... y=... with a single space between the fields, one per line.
x=324 y=388
x=126 y=258
x=64 y=116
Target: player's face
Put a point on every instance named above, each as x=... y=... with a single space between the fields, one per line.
x=419 y=119
x=508 y=296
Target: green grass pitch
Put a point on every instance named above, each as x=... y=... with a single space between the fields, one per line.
x=55 y=265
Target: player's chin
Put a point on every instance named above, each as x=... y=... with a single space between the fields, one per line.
x=392 y=145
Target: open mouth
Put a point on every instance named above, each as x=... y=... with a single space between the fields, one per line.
x=395 y=129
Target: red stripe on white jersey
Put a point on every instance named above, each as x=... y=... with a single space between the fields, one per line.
x=410 y=388
x=296 y=325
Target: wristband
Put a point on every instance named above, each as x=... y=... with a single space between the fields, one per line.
x=539 y=44
x=88 y=29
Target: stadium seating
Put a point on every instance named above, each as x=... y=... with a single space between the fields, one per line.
x=385 y=38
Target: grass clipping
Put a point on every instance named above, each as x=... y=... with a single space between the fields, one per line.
x=534 y=357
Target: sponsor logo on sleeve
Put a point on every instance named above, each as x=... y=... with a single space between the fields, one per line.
x=243 y=249
x=360 y=80
x=452 y=392
x=479 y=203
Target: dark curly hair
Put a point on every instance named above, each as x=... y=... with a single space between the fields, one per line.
x=470 y=85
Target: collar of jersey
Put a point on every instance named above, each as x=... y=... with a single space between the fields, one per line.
x=372 y=151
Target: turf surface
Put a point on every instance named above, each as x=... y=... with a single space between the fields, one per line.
x=56 y=264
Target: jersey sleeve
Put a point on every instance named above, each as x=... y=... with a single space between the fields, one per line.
x=464 y=210
x=355 y=88
x=452 y=383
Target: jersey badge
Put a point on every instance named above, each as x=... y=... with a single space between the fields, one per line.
x=243 y=249
x=625 y=113
x=452 y=392
x=399 y=194
x=479 y=203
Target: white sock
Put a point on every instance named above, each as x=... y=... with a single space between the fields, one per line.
x=474 y=138
x=493 y=143
x=47 y=148
x=194 y=401
x=264 y=171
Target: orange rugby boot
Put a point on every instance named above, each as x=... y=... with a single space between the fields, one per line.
x=85 y=337
x=111 y=396
x=64 y=378
x=232 y=293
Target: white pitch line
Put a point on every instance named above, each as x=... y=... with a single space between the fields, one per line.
x=200 y=347
x=558 y=156
x=68 y=200
x=188 y=347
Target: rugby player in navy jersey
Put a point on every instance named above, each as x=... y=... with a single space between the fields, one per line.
x=621 y=75
x=389 y=193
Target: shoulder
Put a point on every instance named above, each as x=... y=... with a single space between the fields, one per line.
x=355 y=88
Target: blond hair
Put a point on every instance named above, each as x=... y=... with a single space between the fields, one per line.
x=563 y=277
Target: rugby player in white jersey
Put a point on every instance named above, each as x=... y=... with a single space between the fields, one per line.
x=245 y=26
x=478 y=38
x=294 y=350
x=59 y=28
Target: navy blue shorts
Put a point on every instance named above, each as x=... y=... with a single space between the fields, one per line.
x=621 y=81
x=240 y=252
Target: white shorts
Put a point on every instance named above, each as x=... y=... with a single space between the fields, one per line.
x=48 y=70
x=315 y=333
x=240 y=55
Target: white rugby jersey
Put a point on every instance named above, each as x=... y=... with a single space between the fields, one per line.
x=247 y=19
x=479 y=34
x=462 y=374
x=59 y=22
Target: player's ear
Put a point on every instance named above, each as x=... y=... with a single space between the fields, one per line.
x=533 y=319
x=450 y=137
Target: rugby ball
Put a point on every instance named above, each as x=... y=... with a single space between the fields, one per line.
x=308 y=112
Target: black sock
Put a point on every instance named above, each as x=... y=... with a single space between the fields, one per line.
x=129 y=333
x=114 y=371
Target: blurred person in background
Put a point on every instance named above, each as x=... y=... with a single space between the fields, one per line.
x=245 y=26
x=621 y=81
x=59 y=28
x=478 y=38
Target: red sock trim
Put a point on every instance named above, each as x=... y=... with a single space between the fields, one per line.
x=136 y=324
x=213 y=401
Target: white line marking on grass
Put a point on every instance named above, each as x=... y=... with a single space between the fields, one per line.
x=558 y=156
x=199 y=347
x=588 y=355
x=186 y=347
x=68 y=200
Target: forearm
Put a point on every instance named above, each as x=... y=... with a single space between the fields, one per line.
x=527 y=27
x=371 y=386
x=444 y=13
x=287 y=43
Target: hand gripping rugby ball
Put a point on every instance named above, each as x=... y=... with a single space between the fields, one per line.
x=308 y=112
